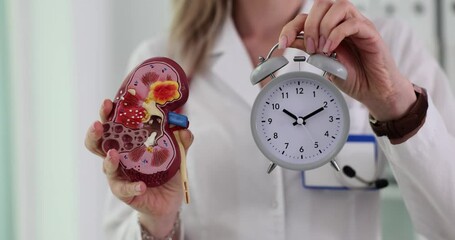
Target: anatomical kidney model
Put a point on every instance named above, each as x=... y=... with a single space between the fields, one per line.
x=138 y=126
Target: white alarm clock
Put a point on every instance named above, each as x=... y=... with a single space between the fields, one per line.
x=299 y=120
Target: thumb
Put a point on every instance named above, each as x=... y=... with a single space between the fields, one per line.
x=185 y=137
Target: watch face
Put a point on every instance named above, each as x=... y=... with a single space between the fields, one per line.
x=300 y=121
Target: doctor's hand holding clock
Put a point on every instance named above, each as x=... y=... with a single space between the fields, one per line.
x=300 y=120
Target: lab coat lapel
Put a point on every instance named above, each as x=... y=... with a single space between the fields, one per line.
x=231 y=63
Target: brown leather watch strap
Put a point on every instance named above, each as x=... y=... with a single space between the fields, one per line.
x=400 y=130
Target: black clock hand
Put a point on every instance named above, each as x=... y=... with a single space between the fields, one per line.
x=290 y=114
x=312 y=114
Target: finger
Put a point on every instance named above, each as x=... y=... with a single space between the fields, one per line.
x=186 y=137
x=111 y=163
x=360 y=29
x=125 y=190
x=93 y=137
x=312 y=25
x=291 y=30
x=340 y=11
x=105 y=110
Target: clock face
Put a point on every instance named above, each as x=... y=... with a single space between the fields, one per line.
x=300 y=121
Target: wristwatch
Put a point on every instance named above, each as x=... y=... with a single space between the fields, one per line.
x=400 y=130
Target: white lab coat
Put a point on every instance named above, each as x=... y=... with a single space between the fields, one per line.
x=234 y=198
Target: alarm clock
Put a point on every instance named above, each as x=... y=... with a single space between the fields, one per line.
x=299 y=120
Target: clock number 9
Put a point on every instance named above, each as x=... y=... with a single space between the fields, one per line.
x=269 y=120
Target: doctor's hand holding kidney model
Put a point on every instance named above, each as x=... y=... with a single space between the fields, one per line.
x=373 y=77
x=144 y=143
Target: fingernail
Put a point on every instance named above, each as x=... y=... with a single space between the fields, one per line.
x=310 y=45
x=321 y=43
x=327 y=46
x=137 y=188
x=282 y=43
x=102 y=105
x=110 y=154
x=92 y=128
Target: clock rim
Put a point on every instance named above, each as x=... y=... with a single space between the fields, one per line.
x=343 y=135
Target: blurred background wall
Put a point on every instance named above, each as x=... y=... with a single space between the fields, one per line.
x=60 y=58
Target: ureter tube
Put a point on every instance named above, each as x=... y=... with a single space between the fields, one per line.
x=183 y=171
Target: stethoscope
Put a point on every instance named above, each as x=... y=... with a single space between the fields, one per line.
x=348 y=172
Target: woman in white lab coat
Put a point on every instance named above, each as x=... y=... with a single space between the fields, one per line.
x=232 y=196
